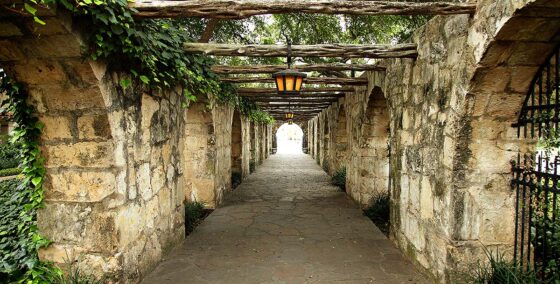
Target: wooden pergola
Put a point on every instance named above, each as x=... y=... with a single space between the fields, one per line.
x=315 y=96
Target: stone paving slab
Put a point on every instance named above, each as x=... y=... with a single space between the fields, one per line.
x=286 y=224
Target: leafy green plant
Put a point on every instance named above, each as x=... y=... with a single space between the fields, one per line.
x=236 y=179
x=194 y=213
x=252 y=166
x=497 y=270
x=19 y=236
x=8 y=155
x=339 y=178
x=379 y=210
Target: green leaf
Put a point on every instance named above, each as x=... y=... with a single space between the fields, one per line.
x=144 y=79
x=125 y=83
x=30 y=9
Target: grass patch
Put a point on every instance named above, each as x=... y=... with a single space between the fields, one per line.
x=236 y=179
x=194 y=214
x=498 y=270
x=378 y=211
x=339 y=178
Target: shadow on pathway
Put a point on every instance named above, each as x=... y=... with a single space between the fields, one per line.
x=286 y=224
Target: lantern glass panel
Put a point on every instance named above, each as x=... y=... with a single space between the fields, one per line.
x=280 y=82
x=290 y=82
x=299 y=81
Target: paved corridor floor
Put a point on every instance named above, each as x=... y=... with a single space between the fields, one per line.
x=286 y=224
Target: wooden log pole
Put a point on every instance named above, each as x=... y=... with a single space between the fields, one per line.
x=404 y=50
x=267 y=69
x=239 y=9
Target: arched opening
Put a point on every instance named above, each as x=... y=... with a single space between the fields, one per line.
x=325 y=161
x=236 y=150
x=374 y=154
x=516 y=83
x=341 y=140
x=289 y=138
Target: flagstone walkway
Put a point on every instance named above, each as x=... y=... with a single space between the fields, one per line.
x=286 y=224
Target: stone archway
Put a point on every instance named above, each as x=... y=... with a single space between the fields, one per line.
x=325 y=136
x=236 y=144
x=374 y=157
x=341 y=140
x=506 y=67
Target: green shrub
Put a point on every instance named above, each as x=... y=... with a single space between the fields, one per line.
x=15 y=254
x=9 y=156
x=252 y=166
x=194 y=213
x=497 y=270
x=9 y=172
x=236 y=179
x=339 y=178
x=378 y=211
x=326 y=167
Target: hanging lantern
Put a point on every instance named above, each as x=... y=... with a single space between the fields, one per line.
x=288 y=82
x=289 y=115
x=290 y=122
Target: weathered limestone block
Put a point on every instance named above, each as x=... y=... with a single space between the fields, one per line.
x=72 y=186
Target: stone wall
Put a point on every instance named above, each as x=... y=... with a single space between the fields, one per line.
x=113 y=196
x=208 y=153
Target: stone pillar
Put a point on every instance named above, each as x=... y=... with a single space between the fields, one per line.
x=236 y=144
x=208 y=153
x=245 y=146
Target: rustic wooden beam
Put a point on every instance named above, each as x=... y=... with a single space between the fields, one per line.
x=302 y=96
x=305 y=90
x=265 y=100
x=312 y=80
x=239 y=9
x=267 y=69
x=405 y=50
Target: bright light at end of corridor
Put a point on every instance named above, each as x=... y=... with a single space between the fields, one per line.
x=289 y=139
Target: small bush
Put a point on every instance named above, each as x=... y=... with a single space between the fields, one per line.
x=339 y=178
x=9 y=156
x=497 y=270
x=252 y=166
x=378 y=211
x=194 y=213
x=9 y=172
x=16 y=252
x=236 y=179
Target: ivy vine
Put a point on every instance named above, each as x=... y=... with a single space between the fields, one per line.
x=19 y=235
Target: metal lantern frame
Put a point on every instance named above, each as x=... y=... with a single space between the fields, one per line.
x=289 y=81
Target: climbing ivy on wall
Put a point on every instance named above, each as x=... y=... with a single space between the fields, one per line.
x=20 y=199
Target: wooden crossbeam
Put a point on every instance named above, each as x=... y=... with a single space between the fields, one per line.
x=266 y=69
x=284 y=100
x=312 y=80
x=304 y=90
x=301 y=96
x=405 y=50
x=239 y=9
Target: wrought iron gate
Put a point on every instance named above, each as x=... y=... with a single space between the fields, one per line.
x=536 y=176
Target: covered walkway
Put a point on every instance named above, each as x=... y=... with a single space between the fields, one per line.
x=286 y=224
